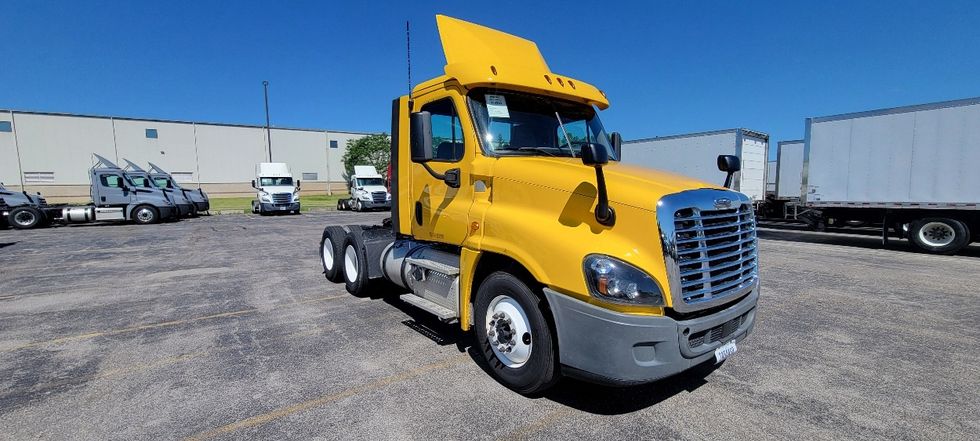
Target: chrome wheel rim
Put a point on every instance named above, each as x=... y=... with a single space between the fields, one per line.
x=350 y=263
x=327 y=253
x=509 y=331
x=937 y=234
x=144 y=215
x=25 y=218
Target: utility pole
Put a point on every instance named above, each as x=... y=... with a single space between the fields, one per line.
x=268 y=131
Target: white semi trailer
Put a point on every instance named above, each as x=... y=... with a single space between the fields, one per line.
x=786 y=177
x=910 y=169
x=695 y=154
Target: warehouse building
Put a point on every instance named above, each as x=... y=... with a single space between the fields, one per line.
x=52 y=152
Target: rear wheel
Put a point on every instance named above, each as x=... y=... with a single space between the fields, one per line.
x=355 y=264
x=25 y=218
x=939 y=235
x=332 y=252
x=145 y=214
x=513 y=335
x=341 y=204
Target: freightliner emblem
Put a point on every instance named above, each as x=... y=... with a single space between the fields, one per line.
x=723 y=203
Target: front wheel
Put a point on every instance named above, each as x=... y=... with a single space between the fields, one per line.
x=939 y=235
x=145 y=215
x=513 y=335
x=25 y=218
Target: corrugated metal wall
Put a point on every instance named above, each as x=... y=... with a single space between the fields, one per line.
x=59 y=148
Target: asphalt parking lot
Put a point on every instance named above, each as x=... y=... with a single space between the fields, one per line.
x=224 y=328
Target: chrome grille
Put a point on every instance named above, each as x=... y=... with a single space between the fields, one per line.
x=378 y=196
x=282 y=198
x=710 y=239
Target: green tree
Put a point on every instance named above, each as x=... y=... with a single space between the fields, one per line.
x=370 y=150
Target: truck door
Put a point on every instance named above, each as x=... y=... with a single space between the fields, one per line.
x=439 y=212
x=113 y=190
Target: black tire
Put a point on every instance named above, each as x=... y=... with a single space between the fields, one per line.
x=333 y=270
x=939 y=235
x=354 y=255
x=541 y=370
x=357 y=205
x=145 y=215
x=341 y=204
x=25 y=218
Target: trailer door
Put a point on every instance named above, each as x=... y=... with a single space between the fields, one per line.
x=752 y=178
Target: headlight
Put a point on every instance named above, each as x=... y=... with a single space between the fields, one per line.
x=388 y=197
x=296 y=196
x=617 y=281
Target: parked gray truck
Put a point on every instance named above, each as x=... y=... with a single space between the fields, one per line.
x=143 y=179
x=115 y=197
x=163 y=179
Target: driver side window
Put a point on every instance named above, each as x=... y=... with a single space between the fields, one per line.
x=111 y=181
x=447 y=135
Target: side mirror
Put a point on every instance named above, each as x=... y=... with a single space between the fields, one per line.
x=297 y=184
x=253 y=183
x=421 y=136
x=617 y=145
x=729 y=164
x=594 y=155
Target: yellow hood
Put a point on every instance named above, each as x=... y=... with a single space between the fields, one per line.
x=638 y=187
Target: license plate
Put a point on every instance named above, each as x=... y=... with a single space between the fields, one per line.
x=724 y=351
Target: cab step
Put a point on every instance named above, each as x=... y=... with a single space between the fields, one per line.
x=444 y=314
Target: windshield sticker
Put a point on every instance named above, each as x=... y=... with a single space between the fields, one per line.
x=497 y=106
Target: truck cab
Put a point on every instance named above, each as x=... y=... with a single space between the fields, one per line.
x=367 y=190
x=513 y=217
x=116 y=197
x=163 y=179
x=22 y=210
x=276 y=191
x=141 y=178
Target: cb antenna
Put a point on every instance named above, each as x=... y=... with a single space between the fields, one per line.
x=408 y=55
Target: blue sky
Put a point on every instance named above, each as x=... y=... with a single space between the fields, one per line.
x=667 y=67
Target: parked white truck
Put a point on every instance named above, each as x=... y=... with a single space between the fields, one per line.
x=910 y=169
x=694 y=155
x=275 y=190
x=367 y=190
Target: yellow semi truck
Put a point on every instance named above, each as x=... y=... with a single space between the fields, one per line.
x=512 y=217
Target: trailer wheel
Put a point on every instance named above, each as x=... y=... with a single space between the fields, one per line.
x=356 y=264
x=145 y=215
x=25 y=218
x=939 y=235
x=513 y=335
x=332 y=253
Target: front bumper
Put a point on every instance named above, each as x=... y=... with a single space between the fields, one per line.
x=271 y=208
x=168 y=211
x=185 y=209
x=371 y=205
x=203 y=206
x=614 y=348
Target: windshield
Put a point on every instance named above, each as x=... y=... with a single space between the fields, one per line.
x=162 y=183
x=363 y=182
x=514 y=123
x=267 y=182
